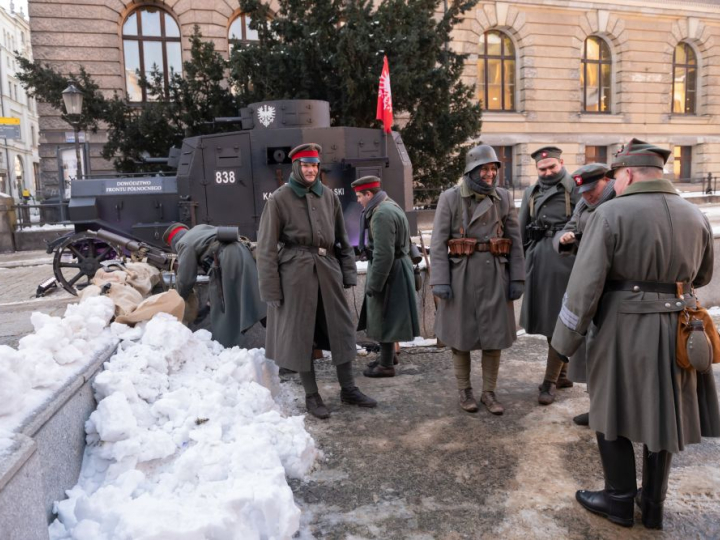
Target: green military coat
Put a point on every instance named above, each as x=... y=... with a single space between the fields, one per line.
x=298 y=277
x=480 y=314
x=241 y=306
x=389 y=313
x=547 y=272
x=636 y=388
x=577 y=370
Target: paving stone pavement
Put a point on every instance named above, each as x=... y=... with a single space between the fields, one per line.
x=20 y=274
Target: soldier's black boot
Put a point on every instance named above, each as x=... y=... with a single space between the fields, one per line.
x=315 y=406
x=616 y=501
x=546 y=396
x=582 y=419
x=656 y=472
x=353 y=396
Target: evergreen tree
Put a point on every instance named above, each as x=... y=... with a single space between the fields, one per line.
x=333 y=50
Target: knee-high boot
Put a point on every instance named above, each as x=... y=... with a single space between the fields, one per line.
x=656 y=472
x=615 y=502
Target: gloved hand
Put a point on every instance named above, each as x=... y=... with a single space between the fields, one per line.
x=444 y=292
x=275 y=303
x=517 y=288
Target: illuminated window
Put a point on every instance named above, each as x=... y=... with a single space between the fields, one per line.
x=151 y=38
x=682 y=165
x=596 y=75
x=596 y=154
x=240 y=32
x=684 y=79
x=496 y=72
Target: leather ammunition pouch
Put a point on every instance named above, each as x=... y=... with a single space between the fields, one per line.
x=500 y=247
x=462 y=246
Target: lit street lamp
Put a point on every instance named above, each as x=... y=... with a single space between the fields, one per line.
x=73 y=99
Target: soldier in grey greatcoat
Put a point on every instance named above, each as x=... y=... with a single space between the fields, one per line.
x=635 y=251
x=389 y=311
x=235 y=304
x=477 y=289
x=546 y=207
x=595 y=188
x=304 y=260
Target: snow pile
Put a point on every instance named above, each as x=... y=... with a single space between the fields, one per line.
x=51 y=355
x=188 y=441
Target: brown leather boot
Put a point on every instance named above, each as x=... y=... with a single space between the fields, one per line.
x=379 y=370
x=563 y=381
x=315 y=406
x=547 y=396
x=491 y=403
x=467 y=400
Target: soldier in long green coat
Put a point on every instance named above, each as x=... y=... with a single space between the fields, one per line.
x=634 y=252
x=477 y=289
x=546 y=207
x=235 y=304
x=389 y=311
x=304 y=261
x=595 y=188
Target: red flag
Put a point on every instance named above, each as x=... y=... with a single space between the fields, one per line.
x=384 y=104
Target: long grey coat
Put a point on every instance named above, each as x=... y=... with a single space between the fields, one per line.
x=238 y=277
x=479 y=315
x=636 y=388
x=297 y=276
x=390 y=313
x=547 y=272
x=577 y=370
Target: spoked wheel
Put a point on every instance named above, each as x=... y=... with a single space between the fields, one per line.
x=78 y=258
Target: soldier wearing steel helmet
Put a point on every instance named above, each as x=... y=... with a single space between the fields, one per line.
x=477 y=285
x=304 y=260
x=547 y=206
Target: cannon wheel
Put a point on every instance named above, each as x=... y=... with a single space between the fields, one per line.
x=77 y=259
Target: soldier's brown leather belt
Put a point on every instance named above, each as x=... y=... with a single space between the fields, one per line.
x=645 y=286
x=482 y=246
x=323 y=252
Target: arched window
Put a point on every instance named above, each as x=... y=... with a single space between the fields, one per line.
x=240 y=32
x=684 y=79
x=596 y=75
x=151 y=37
x=496 y=72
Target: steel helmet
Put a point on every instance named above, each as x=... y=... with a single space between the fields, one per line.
x=480 y=155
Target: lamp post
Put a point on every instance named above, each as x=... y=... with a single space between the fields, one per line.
x=73 y=98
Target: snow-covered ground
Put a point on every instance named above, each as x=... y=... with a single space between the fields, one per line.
x=49 y=227
x=189 y=441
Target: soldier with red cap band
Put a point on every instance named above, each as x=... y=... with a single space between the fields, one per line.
x=304 y=261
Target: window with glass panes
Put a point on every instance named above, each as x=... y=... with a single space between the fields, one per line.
x=505 y=155
x=682 y=165
x=496 y=72
x=596 y=75
x=151 y=39
x=596 y=154
x=684 y=79
x=240 y=31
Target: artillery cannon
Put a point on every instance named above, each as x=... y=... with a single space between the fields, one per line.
x=224 y=180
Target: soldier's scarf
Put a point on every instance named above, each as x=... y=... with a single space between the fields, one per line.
x=549 y=181
x=607 y=194
x=379 y=197
x=297 y=173
x=473 y=181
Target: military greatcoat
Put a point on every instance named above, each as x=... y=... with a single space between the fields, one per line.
x=240 y=306
x=298 y=276
x=547 y=272
x=479 y=315
x=636 y=388
x=389 y=314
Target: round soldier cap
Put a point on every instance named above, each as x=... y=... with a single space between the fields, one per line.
x=480 y=155
x=306 y=153
x=366 y=182
x=176 y=230
x=638 y=153
x=588 y=175
x=546 y=152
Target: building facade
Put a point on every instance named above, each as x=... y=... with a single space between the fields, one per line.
x=582 y=75
x=19 y=158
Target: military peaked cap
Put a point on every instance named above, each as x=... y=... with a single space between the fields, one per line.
x=175 y=230
x=546 y=152
x=588 y=175
x=306 y=153
x=638 y=153
x=366 y=182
